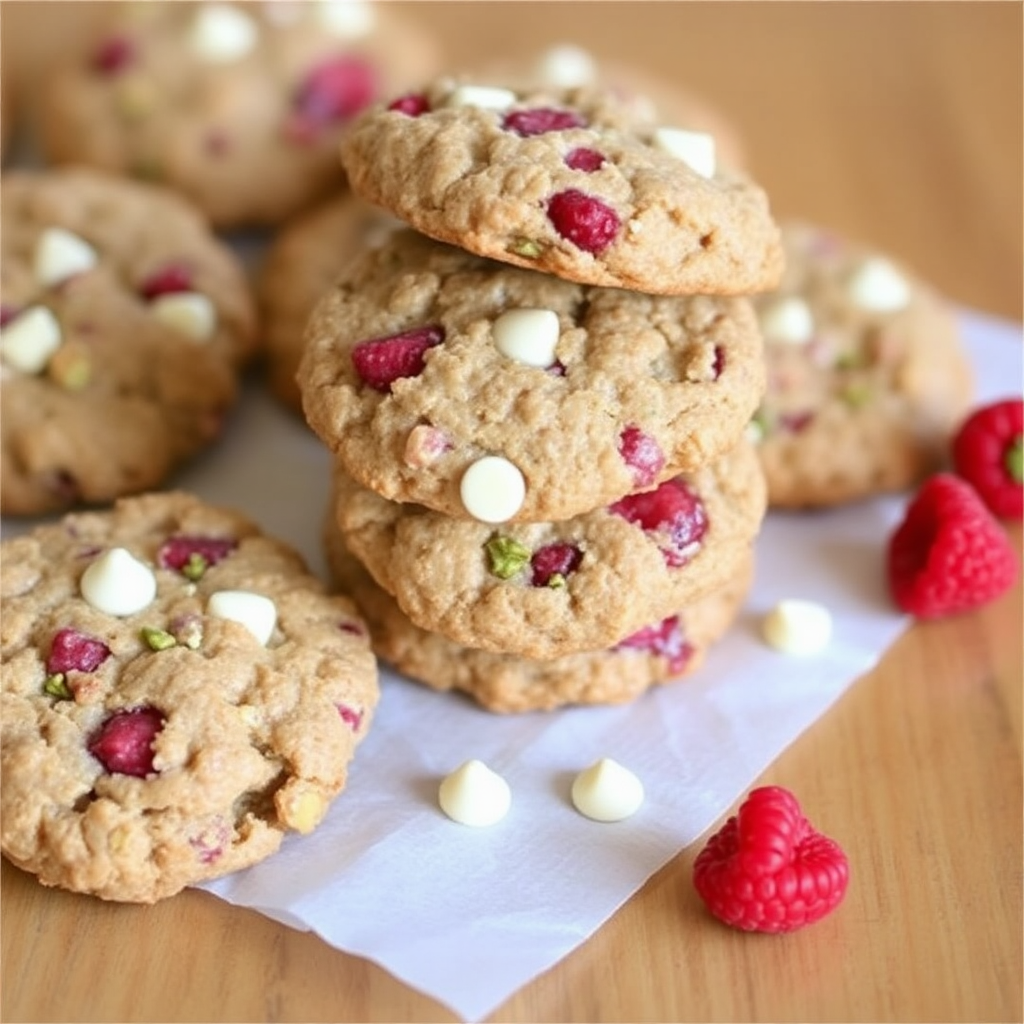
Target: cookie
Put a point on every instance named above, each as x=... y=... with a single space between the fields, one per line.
x=544 y=590
x=867 y=379
x=178 y=693
x=574 y=182
x=123 y=324
x=303 y=261
x=670 y=650
x=238 y=106
x=424 y=364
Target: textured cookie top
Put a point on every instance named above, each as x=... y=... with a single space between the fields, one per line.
x=178 y=692
x=866 y=374
x=544 y=590
x=574 y=182
x=237 y=105
x=425 y=361
x=122 y=325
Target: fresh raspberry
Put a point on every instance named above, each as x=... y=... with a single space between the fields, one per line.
x=673 y=512
x=554 y=560
x=664 y=639
x=585 y=221
x=74 y=651
x=190 y=554
x=412 y=103
x=949 y=554
x=381 y=361
x=584 y=159
x=7 y=313
x=642 y=454
x=540 y=120
x=767 y=869
x=335 y=90
x=175 y=277
x=988 y=452
x=113 y=55
x=124 y=743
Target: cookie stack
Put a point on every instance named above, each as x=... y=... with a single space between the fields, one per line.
x=536 y=392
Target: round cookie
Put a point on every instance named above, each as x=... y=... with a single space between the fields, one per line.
x=303 y=261
x=150 y=738
x=866 y=376
x=504 y=683
x=123 y=325
x=238 y=106
x=573 y=182
x=424 y=361
x=544 y=590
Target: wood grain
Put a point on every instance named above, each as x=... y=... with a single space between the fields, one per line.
x=899 y=124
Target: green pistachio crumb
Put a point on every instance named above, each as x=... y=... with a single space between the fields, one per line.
x=856 y=395
x=194 y=568
x=556 y=581
x=56 y=686
x=528 y=248
x=1014 y=459
x=507 y=556
x=157 y=639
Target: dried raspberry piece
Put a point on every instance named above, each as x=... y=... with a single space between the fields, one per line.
x=949 y=554
x=553 y=562
x=71 y=650
x=124 y=743
x=540 y=120
x=642 y=454
x=768 y=870
x=352 y=717
x=192 y=555
x=988 y=452
x=412 y=103
x=175 y=277
x=664 y=639
x=381 y=361
x=7 y=313
x=719 y=363
x=588 y=223
x=335 y=90
x=584 y=159
x=113 y=55
x=672 y=511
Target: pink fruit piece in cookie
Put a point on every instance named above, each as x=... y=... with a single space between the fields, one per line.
x=673 y=513
x=167 y=280
x=413 y=104
x=7 y=313
x=588 y=223
x=193 y=555
x=553 y=562
x=719 y=364
x=124 y=743
x=113 y=55
x=334 y=91
x=74 y=651
x=540 y=120
x=381 y=361
x=352 y=717
x=584 y=159
x=642 y=454
x=664 y=639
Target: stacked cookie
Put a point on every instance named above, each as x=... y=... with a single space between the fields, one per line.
x=537 y=392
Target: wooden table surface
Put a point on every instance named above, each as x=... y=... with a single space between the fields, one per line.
x=900 y=124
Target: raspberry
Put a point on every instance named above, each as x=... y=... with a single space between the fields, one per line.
x=673 y=512
x=554 y=560
x=988 y=452
x=350 y=716
x=192 y=555
x=113 y=55
x=585 y=221
x=642 y=454
x=74 y=651
x=124 y=743
x=583 y=159
x=664 y=639
x=412 y=103
x=719 y=364
x=767 y=869
x=949 y=554
x=381 y=361
x=335 y=90
x=175 y=277
x=541 y=120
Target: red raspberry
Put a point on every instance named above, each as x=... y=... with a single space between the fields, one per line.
x=642 y=454
x=124 y=743
x=585 y=221
x=381 y=361
x=74 y=651
x=988 y=452
x=949 y=554
x=335 y=90
x=673 y=512
x=541 y=120
x=767 y=869
x=665 y=639
x=583 y=159
x=175 y=277
x=113 y=55
x=413 y=104
x=183 y=551
x=719 y=364
x=554 y=560
x=350 y=716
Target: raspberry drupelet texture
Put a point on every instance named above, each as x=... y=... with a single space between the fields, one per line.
x=381 y=361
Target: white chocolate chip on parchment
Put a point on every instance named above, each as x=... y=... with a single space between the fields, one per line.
x=796 y=626
x=606 y=791
x=474 y=795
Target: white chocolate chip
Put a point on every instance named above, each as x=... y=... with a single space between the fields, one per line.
x=607 y=792
x=28 y=341
x=876 y=285
x=696 y=149
x=254 y=611
x=59 y=255
x=787 y=320
x=527 y=335
x=566 y=67
x=350 y=19
x=474 y=795
x=794 y=626
x=190 y=313
x=222 y=33
x=118 y=583
x=489 y=96
x=492 y=489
